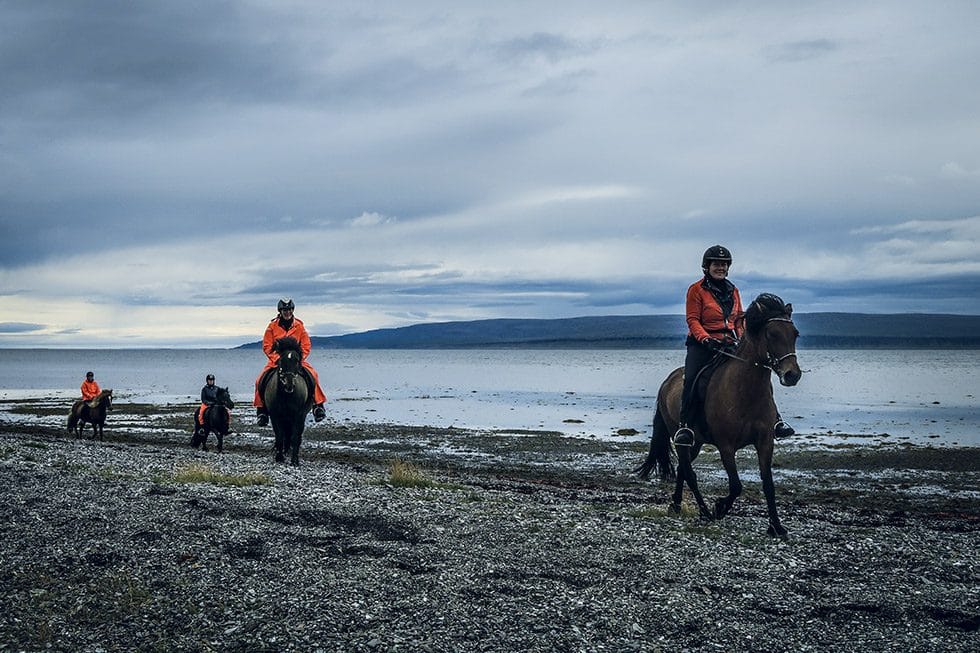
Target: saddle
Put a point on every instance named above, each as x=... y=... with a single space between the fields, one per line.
x=699 y=392
x=202 y=416
x=264 y=380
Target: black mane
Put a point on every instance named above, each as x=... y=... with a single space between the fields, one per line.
x=288 y=343
x=764 y=308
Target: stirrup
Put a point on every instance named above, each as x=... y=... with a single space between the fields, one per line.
x=261 y=417
x=319 y=414
x=782 y=430
x=684 y=437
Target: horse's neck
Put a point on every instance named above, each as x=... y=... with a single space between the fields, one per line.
x=751 y=367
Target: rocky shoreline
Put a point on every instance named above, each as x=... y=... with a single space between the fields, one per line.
x=508 y=541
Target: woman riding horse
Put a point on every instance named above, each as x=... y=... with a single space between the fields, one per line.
x=214 y=418
x=287 y=396
x=91 y=412
x=283 y=326
x=713 y=303
x=739 y=409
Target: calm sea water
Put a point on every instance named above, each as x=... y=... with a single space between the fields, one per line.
x=902 y=396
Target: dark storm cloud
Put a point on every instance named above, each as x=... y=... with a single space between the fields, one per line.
x=801 y=50
x=19 y=327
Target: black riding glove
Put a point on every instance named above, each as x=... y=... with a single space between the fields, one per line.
x=713 y=344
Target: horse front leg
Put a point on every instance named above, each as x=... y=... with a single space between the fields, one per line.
x=296 y=440
x=769 y=489
x=280 y=442
x=724 y=505
x=685 y=472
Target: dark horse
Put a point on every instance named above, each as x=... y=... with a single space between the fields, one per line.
x=90 y=412
x=288 y=397
x=738 y=409
x=216 y=420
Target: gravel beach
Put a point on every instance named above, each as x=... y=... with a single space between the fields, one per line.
x=527 y=541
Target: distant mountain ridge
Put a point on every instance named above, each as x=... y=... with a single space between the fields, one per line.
x=818 y=331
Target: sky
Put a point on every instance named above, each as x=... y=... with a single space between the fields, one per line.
x=169 y=170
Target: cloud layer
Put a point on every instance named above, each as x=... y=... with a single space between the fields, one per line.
x=168 y=170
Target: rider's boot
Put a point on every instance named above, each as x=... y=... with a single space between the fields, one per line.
x=261 y=417
x=319 y=414
x=782 y=430
x=684 y=437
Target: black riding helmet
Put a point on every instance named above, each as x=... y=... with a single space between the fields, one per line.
x=286 y=303
x=210 y=377
x=716 y=253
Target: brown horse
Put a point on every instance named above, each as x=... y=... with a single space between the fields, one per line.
x=92 y=412
x=738 y=409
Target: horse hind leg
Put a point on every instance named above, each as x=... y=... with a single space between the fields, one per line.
x=685 y=473
x=724 y=504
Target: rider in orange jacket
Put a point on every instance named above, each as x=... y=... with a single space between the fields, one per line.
x=285 y=324
x=90 y=387
x=713 y=309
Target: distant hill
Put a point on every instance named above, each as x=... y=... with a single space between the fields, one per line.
x=819 y=331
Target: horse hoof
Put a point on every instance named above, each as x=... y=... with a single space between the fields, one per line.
x=675 y=509
x=294 y=462
x=721 y=508
x=778 y=531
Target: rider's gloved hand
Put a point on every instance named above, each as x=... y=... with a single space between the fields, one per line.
x=714 y=344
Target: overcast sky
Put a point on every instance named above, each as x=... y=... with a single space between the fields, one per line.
x=169 y=170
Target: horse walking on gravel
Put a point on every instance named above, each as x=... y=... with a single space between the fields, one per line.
x=288 y=396
x=738 y=410
x=217 y=420
x=91 y=412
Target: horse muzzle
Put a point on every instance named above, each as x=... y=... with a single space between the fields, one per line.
x=790 y=377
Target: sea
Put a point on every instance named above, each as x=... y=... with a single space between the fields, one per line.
x=922 y=397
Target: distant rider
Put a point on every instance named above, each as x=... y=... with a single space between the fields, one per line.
x=285 y=324
x=209 y=397
x=712 y=309
x=90 y=387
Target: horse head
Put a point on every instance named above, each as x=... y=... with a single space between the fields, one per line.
x=224 y=398
x=770 y=320
x=290 y=362
x=106 y=396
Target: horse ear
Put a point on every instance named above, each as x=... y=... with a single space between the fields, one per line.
x=789 y=310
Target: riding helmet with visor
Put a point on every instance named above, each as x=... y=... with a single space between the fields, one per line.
x=286 y=303
x=716 y=253
x=210 y=377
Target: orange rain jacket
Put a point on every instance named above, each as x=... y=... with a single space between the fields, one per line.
x=90 y=390
x=705 y=317
x=272 y=333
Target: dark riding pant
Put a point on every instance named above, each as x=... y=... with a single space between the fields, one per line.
x=697 y=357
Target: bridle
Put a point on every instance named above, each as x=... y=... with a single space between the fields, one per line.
x=771 y=361
x=285 y=378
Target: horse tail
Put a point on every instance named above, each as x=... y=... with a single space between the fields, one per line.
x=660 y=459
x=72 y=421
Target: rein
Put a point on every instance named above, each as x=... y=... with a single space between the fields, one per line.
x=771 y=361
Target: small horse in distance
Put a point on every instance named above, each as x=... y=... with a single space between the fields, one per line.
x=288 y=397
x=738 y=410
x=91 y=412
x=217 y=420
